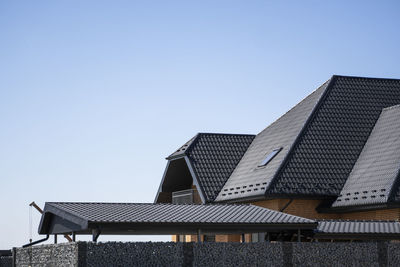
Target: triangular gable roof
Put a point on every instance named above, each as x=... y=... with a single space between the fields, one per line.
x=212 y=158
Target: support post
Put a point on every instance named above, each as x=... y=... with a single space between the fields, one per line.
x=198 y=236
x=73 y=237
x=243 y=238
x=55 y=239
x=298 y=235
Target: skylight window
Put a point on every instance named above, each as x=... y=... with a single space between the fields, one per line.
x=269 y=157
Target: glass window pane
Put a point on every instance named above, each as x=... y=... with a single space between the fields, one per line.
x=269 y=157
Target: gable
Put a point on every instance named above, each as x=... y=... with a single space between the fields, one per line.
x=209 y=159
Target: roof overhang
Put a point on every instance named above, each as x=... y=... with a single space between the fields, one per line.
x=361 y=236
x=230 y=219
x=348 y=209
x=357 y=230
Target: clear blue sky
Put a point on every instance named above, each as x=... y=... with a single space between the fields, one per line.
x=95 y=94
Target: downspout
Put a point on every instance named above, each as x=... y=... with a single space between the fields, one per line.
x=36 y=242
x=286 y=205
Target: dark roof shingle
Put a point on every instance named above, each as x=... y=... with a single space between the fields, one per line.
x=213 y=158
x=377 y=168
x=148 y=218
x=182 y=213
x=249 y=180
x=358 y=227
x=335 y=136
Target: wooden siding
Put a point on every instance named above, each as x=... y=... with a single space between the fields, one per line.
x=299 y=207
x=307 y=209
x=227 y=238
x=387 y=214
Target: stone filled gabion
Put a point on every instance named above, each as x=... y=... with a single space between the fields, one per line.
x=64 y=254
x=237 y=254
x=134 y=254
x=211 y=254
x=335 y=254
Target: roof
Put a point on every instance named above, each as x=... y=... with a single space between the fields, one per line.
x=182 y=151
x=139 y=218
x=321 y=139
x=248 y=180
x=354 y=229
x=326 y=152
x=213 y=158
x=377 y=168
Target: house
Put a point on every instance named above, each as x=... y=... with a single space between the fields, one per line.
x=334 y=156
x=328 y=169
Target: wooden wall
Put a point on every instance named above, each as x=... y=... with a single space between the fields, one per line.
x=304 y=208
x=307 y=208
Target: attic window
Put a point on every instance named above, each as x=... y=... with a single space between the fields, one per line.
x=269 y=157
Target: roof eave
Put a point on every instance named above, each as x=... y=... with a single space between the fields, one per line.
x=368 y=207
x=49 y=210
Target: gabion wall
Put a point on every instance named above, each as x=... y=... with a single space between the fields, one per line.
x=6 y=261
x=132 y=254
x=65 y=254
x=83 y=254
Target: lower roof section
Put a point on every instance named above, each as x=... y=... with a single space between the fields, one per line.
x=148 y=218
x=344 y=229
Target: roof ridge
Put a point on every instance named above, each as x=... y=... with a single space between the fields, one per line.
x=285 y=160
x=391 y=107
x=225 y=134
x=298 y=103
x=369 y=78
x=181 y=151
x=151 y=203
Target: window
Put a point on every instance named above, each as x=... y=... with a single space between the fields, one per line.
x=269 y=157
x=257 y=237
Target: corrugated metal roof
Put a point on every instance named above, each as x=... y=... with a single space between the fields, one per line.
x=358 y=227
x=378 y=165
x=249 y=180
x=214 y=157
x=172 y=213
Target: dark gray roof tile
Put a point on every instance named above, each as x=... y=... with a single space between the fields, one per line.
x=172 y=213
x=325 y=154
x=249 y=180
x=213 y=158
x=378 y=165
x=358 y=227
